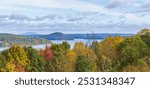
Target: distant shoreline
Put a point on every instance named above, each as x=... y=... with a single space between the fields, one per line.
x=71 y=42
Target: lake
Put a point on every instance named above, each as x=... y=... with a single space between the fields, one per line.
x=71 y=42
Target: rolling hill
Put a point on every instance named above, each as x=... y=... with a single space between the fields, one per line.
x=7 y=40
x=61 y=36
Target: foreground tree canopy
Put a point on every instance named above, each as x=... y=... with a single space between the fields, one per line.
x=113 y=54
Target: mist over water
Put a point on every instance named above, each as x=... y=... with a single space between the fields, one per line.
x=71 y=42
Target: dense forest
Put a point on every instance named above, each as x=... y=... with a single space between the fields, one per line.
x=113 y=54
x=7 y=40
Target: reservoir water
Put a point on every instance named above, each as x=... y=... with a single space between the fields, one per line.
x=71 y=42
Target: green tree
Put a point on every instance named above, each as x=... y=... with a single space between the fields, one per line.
x=138 y=66
x=65 y=46
x=87 y=54
x=95 y=47
x=146 y=38
x=37 y=63
x=85 y=64
x=131 y=50
x=3 y=62
x=57 y=64
x=63 y=59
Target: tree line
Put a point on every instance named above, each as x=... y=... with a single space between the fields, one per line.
x=113 y=54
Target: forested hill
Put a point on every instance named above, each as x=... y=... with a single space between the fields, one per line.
x=10 y=39
x=61 y=36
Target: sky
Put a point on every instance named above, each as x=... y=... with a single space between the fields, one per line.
x=74 y=16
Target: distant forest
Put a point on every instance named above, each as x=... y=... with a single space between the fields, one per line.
x=7 y=40
x=113 y=54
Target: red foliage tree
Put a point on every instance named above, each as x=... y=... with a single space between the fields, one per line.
x=46 y=53
x=19 y=68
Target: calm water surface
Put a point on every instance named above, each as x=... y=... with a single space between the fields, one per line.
x=71 y=42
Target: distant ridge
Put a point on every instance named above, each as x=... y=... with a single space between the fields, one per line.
x=61 y=36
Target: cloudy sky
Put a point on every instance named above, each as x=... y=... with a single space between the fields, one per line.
x=74 y=16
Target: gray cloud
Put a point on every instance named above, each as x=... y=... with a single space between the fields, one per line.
x=115 y=3
x=73 y=19
x=50 y=17
x=15 y=16
x=119 y=3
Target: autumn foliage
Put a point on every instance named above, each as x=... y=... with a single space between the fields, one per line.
x=46 y=53
x=113 y=54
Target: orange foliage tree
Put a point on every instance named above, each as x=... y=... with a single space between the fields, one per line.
x=46 y=53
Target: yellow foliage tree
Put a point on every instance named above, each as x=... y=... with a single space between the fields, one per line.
x=71 y=60
x=17 y=59
x=108 y=47
x=82 y=50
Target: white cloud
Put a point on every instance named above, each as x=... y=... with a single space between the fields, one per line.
x=75 y=5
